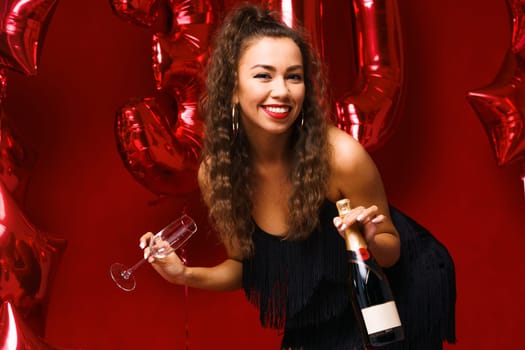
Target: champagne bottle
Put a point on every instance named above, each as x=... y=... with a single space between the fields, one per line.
x=372 y=298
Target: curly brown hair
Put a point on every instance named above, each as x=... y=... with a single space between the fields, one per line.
x=226 y=162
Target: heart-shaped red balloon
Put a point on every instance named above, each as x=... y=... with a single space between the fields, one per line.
x=160 y=150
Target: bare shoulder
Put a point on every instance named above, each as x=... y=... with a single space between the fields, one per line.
x=353 y=172
x=347 y=154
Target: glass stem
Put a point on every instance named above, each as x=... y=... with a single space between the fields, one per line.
x=126 y=273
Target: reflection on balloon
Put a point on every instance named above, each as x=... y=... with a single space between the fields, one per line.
x=370 y=111
x=139 y=12
x=306 y=12
x=517 y=13
x=501 y=108
x=22 y=33
x=15 y=334
x=28 y=261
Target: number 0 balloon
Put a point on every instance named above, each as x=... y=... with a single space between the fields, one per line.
x=370 y=111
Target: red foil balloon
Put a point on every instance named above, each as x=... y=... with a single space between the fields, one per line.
x=16 y=161
x=307 y=12
x=161 y=156
x=370 y=111
x=140 y=12
x=160 y=141
x=28 y=261
x=517 y=12
x=15 y=334
x=523 y=177
x=500 y=107
x=23 y=27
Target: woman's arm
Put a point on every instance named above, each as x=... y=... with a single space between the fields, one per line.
x=225 y=276
x=355 y=176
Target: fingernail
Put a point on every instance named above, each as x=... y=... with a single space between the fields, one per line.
x=142 y=245
x=360 y=217
x=145 y=255
x=337 y=221
x=344 y=227
x=375 y=220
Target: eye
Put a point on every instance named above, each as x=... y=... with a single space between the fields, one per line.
x=295 y=77
x=263 y=76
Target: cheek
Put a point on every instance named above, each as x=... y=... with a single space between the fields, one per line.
x=251 y=94
x=299 y=94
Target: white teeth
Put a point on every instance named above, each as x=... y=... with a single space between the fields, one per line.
x=278 y=109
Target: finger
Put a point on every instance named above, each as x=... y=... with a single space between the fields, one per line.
x=379 y=219
x=340 y=225
x=367 y=214
x=144 y=239
x=148 y=256
x=161 y=247
x=338 y=222
x=353 y=216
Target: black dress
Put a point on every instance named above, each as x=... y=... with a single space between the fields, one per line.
x=302 y=287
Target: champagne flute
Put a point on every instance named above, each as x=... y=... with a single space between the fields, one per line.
x=164 y=242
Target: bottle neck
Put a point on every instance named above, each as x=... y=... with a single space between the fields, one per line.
x=354 y=239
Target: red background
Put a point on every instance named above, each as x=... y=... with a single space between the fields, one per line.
x=438 y=167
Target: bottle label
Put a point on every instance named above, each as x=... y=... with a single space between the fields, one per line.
x=381 y=317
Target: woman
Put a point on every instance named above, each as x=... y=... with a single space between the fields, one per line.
x=271 y=171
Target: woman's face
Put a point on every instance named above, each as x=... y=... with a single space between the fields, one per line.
x=270 y=85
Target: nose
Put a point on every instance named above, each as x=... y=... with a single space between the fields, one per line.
x=280 y=88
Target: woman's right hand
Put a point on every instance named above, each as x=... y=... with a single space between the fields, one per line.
x=170 y=267
x=225 y=276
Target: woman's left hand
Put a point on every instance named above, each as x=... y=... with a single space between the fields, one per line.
x=366 y=218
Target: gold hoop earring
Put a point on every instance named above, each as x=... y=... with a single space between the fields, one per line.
x=235 y=121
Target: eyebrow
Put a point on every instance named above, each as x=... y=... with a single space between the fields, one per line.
x=272 y=68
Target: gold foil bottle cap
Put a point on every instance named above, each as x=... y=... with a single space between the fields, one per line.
x=343 y=206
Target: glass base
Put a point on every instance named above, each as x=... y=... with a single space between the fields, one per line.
x=123 y=281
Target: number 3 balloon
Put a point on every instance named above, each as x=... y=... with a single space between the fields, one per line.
x=159 y=138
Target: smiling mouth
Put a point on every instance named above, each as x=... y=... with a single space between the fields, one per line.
x=278 y=112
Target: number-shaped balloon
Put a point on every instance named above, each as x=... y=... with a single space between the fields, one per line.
x=160 y=148
x=371 y=110
x=159 y=138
